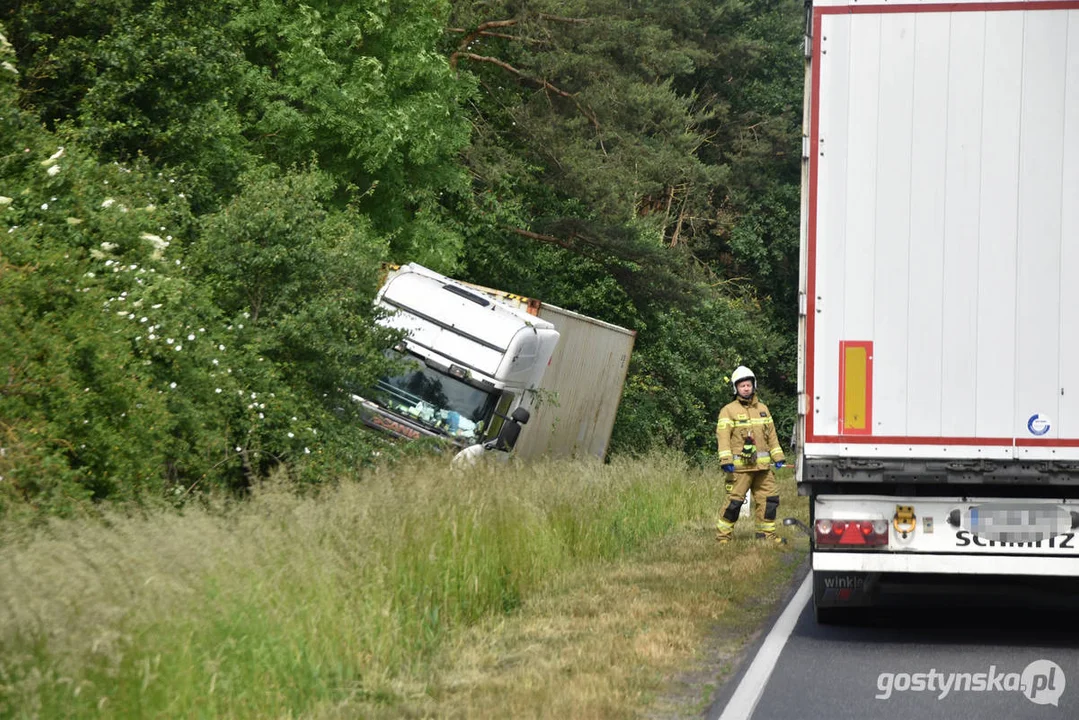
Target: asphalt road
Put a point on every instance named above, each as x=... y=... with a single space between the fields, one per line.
x=960 y=662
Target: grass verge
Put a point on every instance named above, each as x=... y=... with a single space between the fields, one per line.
x=549 y=590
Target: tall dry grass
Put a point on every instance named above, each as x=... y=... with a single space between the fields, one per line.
x=284 y=603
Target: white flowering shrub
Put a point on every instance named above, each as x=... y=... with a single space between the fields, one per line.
x=146 y=352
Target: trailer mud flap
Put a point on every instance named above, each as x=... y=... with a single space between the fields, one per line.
x=844 y=589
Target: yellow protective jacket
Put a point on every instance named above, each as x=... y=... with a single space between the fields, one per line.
x=743 y=420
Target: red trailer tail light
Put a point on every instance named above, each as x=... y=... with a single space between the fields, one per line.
x=866 y=532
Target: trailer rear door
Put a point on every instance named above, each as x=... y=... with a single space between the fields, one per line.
x=941 y=316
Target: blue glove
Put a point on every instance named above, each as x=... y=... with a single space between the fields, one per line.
x=779 y=464
x=729 y=467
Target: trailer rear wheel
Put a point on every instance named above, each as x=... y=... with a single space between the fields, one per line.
x=829 y=615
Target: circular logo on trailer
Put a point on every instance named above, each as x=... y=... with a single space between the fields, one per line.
x=1038 y=424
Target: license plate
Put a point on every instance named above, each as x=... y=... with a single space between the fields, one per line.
x=1018 y=522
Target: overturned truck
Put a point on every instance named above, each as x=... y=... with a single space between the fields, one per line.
x=479 y=363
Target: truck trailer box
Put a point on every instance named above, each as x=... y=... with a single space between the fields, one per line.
x=582 y=387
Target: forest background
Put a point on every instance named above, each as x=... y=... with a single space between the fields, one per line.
x=196 y=199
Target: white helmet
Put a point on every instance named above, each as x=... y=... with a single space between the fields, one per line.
x=742 y=373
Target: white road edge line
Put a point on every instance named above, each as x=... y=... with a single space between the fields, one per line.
x=749 y=691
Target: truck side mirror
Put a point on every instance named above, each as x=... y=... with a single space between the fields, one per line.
x=511 y=430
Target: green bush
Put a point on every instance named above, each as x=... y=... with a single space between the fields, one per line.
x=147 y=352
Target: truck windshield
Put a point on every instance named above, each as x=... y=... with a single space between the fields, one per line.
x=451 y=406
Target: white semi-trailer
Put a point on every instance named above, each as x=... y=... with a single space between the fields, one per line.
x=939 y=339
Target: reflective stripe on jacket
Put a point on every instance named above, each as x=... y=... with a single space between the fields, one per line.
x=742 y=419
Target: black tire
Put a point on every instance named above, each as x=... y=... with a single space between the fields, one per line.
x=829 y=615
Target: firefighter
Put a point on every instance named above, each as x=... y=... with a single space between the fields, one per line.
x=747 y=449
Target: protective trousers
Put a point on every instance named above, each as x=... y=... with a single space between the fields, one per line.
x=762 y=483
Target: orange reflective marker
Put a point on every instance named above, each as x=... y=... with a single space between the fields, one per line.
x=855 y=387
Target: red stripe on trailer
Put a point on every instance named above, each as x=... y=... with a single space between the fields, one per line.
x=1047 y=442
x=811 y=251
x=944 y=8
x=910 y=440
x=920 y=440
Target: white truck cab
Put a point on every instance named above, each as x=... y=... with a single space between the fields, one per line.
x=468 y=361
